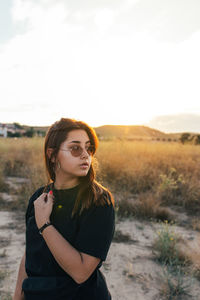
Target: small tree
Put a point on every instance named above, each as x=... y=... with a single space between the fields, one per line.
x=30 y=132
x=184 y=137
x=197 y=139
x=18 y=126
x=15 y=134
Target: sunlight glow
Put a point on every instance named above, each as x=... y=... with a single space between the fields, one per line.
x=95 y=63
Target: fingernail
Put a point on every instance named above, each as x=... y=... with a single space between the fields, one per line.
x=51 y=192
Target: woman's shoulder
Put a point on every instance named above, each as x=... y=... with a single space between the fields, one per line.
x=101 y=210
x=105 y=197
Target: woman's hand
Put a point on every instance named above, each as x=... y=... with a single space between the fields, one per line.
x=43 y=207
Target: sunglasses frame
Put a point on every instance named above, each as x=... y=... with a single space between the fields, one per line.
x=80 y=150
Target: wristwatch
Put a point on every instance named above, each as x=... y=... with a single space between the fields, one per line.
x=44 y=226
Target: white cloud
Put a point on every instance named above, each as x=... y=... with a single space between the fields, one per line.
x=72 y=62
x=104 y=18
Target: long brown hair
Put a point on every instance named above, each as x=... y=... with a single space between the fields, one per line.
x=90 y=190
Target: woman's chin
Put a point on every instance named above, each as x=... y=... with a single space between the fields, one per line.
x=83 y=173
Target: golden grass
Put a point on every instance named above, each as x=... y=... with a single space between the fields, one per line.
x=144 y=162
x=23 y=158
x=157 y=174
x=169 y=172
x=147 y=205
x=18 y=156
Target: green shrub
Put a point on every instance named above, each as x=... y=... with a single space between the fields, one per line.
x=165 y=245
x=170 y=187
x=175 y=285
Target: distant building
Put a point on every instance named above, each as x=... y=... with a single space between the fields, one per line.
x=10 y=130
x=3 y=130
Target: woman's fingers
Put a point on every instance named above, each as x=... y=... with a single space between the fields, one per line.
x=44 y=198
x=43 y=207
x=50 y=196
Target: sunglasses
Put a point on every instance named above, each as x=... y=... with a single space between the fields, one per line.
x=78 y=150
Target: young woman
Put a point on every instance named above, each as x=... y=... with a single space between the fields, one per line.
x=69 y=223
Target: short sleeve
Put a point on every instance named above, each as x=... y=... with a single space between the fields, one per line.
x=97 y=226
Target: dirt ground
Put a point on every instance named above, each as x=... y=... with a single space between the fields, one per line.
x=131 y=270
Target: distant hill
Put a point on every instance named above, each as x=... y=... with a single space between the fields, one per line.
x=117 y=131
x=107 y=132
x=132 y=132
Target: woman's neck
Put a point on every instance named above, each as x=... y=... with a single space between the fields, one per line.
x=61 y=185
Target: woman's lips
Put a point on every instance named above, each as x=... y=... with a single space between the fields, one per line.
x=84 y=165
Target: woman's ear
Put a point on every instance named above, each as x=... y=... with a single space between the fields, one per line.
x=49 y=153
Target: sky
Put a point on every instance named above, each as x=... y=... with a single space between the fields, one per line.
x=103 y=62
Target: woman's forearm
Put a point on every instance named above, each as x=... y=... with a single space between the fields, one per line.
x=18 y=294
x=65 y=254
x=77 y=264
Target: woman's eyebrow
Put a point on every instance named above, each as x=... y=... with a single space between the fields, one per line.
x=78 y=142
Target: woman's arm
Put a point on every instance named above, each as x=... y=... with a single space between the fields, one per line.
x=77 y=264
x=19 y=294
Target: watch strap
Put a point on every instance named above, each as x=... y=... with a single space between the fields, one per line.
x=44 y=226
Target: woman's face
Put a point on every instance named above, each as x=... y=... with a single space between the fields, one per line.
x=69 y=165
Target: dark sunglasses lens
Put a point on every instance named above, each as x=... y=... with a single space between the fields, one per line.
x=76 y=151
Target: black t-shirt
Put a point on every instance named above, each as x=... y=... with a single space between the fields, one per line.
x=91 y=233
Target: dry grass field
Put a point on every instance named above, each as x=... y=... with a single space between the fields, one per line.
x=167 y=172
x=156 y=186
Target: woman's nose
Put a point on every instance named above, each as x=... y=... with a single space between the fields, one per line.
x=84 y=153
